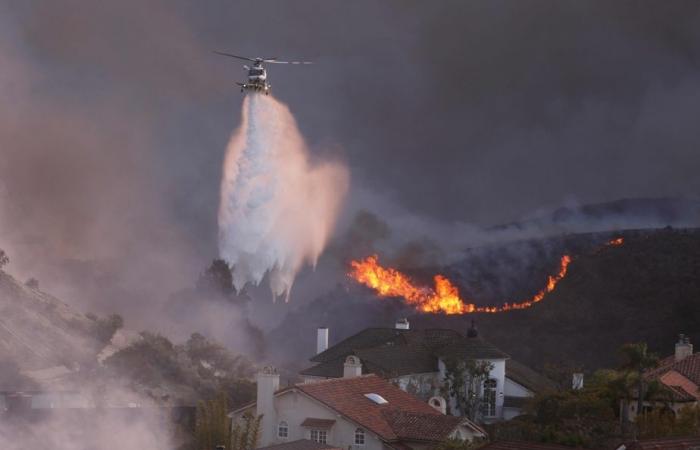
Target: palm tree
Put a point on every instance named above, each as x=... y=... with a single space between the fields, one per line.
x=637 y=360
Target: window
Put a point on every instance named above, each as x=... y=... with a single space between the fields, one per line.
x=283 y=430
x=359 y=436
x=376 y=398
x=320 y=436
x=489 y=398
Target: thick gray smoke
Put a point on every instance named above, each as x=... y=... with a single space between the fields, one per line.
x=277 y=209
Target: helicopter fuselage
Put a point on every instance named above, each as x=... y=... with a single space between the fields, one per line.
x=257 y=80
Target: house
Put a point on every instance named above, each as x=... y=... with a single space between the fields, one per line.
x=363 y=412
x=416 y=361
x=679 y=375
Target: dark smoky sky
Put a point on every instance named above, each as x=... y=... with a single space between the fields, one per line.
x=115 y=115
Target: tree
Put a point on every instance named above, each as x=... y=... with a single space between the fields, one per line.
x=464 y=381
x=637 y=360
x=212 y=425
x=245 y=435
x=105 y=328
x=4 y=259
x=217 y=278
x=663 y=422
x=214 y=429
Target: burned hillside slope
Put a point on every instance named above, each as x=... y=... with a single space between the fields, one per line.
x=646 y=289
x=38 y=331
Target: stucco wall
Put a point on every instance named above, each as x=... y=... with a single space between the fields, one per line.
x=513 y=389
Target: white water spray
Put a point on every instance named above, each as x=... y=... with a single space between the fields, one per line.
x=277 y=210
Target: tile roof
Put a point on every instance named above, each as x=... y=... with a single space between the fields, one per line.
x=471 y=348
x=367 y=338
x=390 y=420
x=300 y=444
x=421 y=427
x=689 y=370
x=312 y=422
x=690 y=443
x=391 y=352
x=527 y=377
x=392 y=361
x=387 y=361
x=522 y=445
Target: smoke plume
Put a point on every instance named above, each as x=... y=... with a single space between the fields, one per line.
x=277 y=210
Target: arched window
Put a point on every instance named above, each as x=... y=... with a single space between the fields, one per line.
x=359 y=436
x=283 y=430
x=489 y=398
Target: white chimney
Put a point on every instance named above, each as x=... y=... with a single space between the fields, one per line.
x=577 y=381
x=352 y=367
x=402 y=324
x=683 y=347
x=321 y=340
x=268 y=383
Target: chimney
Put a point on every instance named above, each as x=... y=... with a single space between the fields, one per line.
x=352 y=367
x=321 y=340
x=683 y=347
x=577 y=381
x=402 y=324
x=472 y=332
x=268 y=383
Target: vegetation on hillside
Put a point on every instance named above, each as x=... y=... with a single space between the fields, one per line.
x=200 y=364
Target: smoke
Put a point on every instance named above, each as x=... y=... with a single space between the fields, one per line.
x=277 y=210
x=90 y=428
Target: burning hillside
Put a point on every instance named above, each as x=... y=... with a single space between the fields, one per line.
x=444 y=297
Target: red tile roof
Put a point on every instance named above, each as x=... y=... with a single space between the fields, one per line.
x=663 y=444
x=403 y=417
x=420 y=427
x=688 y=368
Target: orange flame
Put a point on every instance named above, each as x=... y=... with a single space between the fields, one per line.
x=616 y=242
x=444 y=296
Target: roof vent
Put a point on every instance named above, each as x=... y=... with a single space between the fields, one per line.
x=376 y=398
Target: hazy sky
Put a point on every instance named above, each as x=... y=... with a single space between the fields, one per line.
x=115 y=115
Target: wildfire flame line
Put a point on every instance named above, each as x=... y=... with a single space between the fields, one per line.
x=444 y=296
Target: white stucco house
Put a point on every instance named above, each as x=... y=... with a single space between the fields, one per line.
x=416 y=360
x=364 y=412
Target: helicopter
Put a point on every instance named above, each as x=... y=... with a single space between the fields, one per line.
x=257 y=74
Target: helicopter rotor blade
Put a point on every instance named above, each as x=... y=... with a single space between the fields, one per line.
x=290 y=62
x=245 y=58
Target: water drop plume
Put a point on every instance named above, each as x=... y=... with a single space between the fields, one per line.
x=277 y=209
